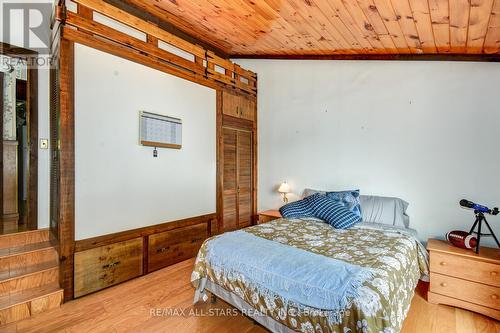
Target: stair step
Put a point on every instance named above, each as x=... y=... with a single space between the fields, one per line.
x=23 y=304
x=17 y=250
x=26 y=255
x=6 y=275
x=29 y=277
x=23 y=238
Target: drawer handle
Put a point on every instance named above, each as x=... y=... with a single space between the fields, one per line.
x=443 y=263
x=194 y=240
x=163 y=249
x=443 y=284
x=494 y=296
x=113 y=264
x=493 y=273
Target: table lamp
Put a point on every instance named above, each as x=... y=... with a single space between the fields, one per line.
x=284 y=189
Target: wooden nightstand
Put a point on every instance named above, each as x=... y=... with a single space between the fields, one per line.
x=465 y=279
x=268 y=216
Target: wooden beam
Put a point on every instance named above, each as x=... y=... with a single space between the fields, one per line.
x=149 y=47
x=141 y=25
x=66 y=228
x=171 y=28
x=402 y=57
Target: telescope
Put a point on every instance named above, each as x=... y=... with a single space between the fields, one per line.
x=479 y=211
x=479 y=208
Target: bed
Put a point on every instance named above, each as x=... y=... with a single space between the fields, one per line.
x=392 y=255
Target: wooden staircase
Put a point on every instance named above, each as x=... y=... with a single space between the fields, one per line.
x=29 y=275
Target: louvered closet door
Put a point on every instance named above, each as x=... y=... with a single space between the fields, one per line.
x=244 y=178
x=229 y=179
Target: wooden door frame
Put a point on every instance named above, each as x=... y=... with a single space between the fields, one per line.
x=32 y=109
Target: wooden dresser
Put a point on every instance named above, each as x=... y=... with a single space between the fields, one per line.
x=465 y=279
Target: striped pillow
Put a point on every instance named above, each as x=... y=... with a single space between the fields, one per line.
x=349 y=199
x=296 y=209
x=331 y=211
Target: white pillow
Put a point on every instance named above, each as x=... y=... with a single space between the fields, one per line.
x=377 y=209
x=386 y=210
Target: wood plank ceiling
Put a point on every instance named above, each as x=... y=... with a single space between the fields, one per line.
x=330 y=27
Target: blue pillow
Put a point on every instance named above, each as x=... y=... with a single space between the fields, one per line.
x=350 y=200
x=332 y=211
x=296 y=209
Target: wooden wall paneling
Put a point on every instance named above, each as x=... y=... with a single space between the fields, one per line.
x=339 y=30
x=422 y=19
x=244 y=172
x=376 y=23
x=90 y=243
x=304 y=28
x=32 y=101
x=293 y=32
x=107 y=265
x=478 y=27
x=324 y=17
x=1 y=147
x=392 y=24
x=255 y=169
x=220 y=161
x=492 y=40
x=406 y=21
x=170 y=247
x=229 y=179
x=440 y=10
x=363 y=25
x=361 y=34
x=107 y=39
x=66 y=203
x=459 y=23
x=120 y=37
x=137 y=23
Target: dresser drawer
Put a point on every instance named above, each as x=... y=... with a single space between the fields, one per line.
x=108 y=265
x=465 y=290
x=176 y=245
x=468 y=269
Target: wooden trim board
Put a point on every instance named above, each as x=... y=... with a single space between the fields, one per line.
x=398 y=57
x=90 y=243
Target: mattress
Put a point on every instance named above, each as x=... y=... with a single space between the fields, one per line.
x=396 y=259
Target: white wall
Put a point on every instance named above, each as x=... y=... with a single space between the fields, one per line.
x=119 y=184
x=427 y=132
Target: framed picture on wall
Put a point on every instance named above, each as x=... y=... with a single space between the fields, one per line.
x=160 y=131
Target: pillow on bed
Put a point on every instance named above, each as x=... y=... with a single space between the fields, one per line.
x=350 y=200
x=297 y=209
x=386 y=210
x=332 y=211
x=377 y=209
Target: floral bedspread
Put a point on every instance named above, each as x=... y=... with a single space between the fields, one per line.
x=396 y=259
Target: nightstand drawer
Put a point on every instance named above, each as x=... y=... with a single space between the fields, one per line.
x=468 y=269
x=465 y=290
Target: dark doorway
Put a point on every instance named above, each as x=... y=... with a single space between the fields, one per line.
x=18 y=148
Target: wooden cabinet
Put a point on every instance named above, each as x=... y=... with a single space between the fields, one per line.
x=465 y=279
x=107 y=265
x=268 y=216
x=237 y=178
x=170 y=247
x=238 y=106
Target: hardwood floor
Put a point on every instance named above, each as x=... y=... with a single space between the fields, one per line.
x=127 y=308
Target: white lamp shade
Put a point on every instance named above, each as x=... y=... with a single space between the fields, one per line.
x=284 y=188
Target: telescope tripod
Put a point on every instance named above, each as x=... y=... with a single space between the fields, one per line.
x=479 y=221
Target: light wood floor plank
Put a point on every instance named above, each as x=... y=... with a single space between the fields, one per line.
x=126 y=308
